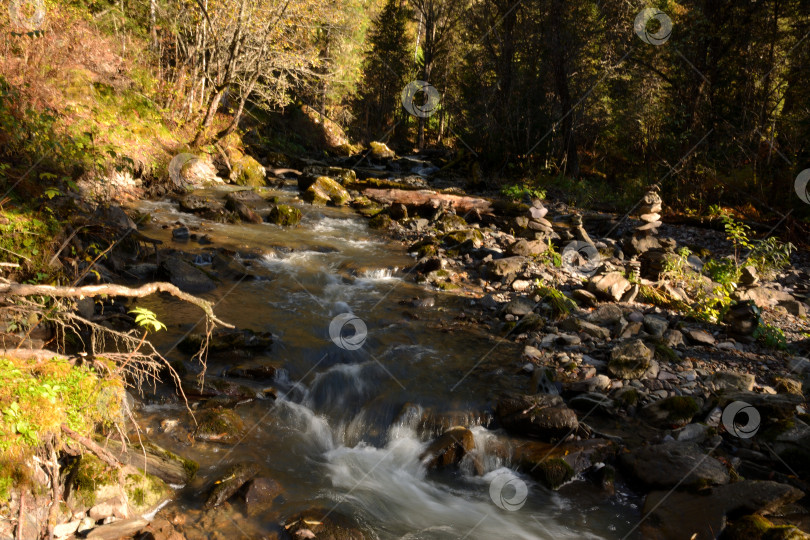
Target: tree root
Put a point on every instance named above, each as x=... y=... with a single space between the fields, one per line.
x=20 y=289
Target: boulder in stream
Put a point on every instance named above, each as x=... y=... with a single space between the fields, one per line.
x=284 y=215
x=230 y=482
x=228 y=340
x=449 y=448
x=674 y=463
x=322 y=524
x=186 y=277
x=325 y=190
x=542 y=416
x=219 y=425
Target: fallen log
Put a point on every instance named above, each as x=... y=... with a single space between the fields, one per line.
x=425 y=197
x=89 y=291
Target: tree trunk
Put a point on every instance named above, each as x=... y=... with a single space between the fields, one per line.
x=213 y=105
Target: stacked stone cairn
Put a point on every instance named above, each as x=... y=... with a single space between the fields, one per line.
x=538 y=222
x=644 y=237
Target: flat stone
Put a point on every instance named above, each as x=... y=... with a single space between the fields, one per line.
x=733 y=380
x=649 y=226
x=649 y=218
x=656 y=326
x=540 y=416
x=538 y=212
x=674 y=463
x=700 y=337
x=612 y=285
x=119 y=529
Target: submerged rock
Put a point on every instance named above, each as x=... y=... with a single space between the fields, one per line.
x=322 y=524
x=220 y=426
x=228 y=340
x=262 y=493
x=230 y=482
x=186 y=277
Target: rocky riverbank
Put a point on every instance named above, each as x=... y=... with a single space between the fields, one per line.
x=627 y=378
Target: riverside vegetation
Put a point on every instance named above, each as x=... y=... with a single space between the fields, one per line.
x=135 y=139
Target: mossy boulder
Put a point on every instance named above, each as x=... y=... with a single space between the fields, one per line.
x=325 y=190
x=227 y=340
x=755 y=527
x=380 y=150
x=531 y=322
x=380 y=221
x=366 y=207
x=630 y=360
x=553 y=473
x=95 y=485
x=284 y=215
x=670 y=412
x=219 y=425
x=246 y=171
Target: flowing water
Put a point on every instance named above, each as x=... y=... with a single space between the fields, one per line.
x=346 y=430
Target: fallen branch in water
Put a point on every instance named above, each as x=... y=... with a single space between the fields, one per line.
x=21 y=289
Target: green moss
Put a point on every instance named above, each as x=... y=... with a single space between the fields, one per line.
x=553 y=473
x=144 y=490
x=628 y=398
x=246 y=171
x=530 y=323
x=666 y=354
x=90 y=474
x=680 y=408
x=380 y=221
x=448 y=286
x=284 y=215
x=428 y=250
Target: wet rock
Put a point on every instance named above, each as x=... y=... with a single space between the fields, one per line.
x=214 y=387
x=756 y=527
x=322 y=524
x=630 y=360
x=674 y=463
x=284 y=215
x=252 y=371
x=325 y=190
x=224 y=339
x=707 y=511
x=113 y=507
x=246 y=196
x=186 y=277
x=261 y=494
x=245 y=212
x=380 y=222
x=792 y=445
x=230 y=482
x=555 y=464
x=159 y=529
x=205 y=206
x=180 y=233
x=542 y=416
x=611 y=286
x=449 y=448
x=673 y=411
x=219 y=425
